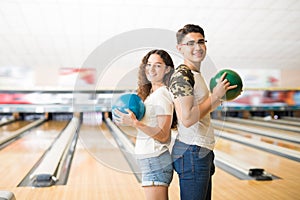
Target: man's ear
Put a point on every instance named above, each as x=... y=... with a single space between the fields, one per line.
x=178 y=47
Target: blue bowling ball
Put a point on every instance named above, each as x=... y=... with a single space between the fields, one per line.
x=132 y=102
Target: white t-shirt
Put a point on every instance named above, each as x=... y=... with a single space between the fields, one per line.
x=185 y=82
x=200 y=133
x=157 y=103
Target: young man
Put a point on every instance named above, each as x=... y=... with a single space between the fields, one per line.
x=193 y=149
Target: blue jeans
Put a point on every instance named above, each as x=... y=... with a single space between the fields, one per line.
x=195 y=167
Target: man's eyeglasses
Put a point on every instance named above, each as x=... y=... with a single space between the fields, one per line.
x=192 y=43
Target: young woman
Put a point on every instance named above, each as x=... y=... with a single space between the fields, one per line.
x=154 y=130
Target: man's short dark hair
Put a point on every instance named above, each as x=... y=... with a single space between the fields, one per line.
x=189 y=28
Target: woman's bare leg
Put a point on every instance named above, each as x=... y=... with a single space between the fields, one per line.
x=156 y=192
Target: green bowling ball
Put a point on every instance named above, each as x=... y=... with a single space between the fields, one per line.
x=234 y=79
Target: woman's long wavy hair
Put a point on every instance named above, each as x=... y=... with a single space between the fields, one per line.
x=145 y=86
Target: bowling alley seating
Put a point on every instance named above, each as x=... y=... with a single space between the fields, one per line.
x=7 y=195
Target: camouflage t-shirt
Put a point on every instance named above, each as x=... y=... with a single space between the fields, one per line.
x=182 y=82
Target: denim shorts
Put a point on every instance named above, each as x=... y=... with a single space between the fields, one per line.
x=157 y=171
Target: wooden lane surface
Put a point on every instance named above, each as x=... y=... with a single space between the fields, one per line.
x=278 y=121
x=226 y=187
x=99 y=169
x=90 y=179
x=8 y=128
x=269 y=140
x=19 y=157
x=285 y=188
x=264 y=123
x=101 y=191
x=282 y=133
x=280 y=166
x=278 y=131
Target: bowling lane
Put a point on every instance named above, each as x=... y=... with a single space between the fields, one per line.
x=277 y=121
x=277 y=165
x=297 y=119
x=99 y=164
x=8 y=128
x=20 y=156
x=264 y=124
x=130 y=132
x=286 y=187
x=257 y=129
x=269 y=140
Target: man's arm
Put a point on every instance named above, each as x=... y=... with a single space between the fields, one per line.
x=189 y=114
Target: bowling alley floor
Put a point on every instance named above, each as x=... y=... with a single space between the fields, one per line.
x=91 y=179
x=225 y=187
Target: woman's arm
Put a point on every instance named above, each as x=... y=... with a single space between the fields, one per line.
x=161 y=132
